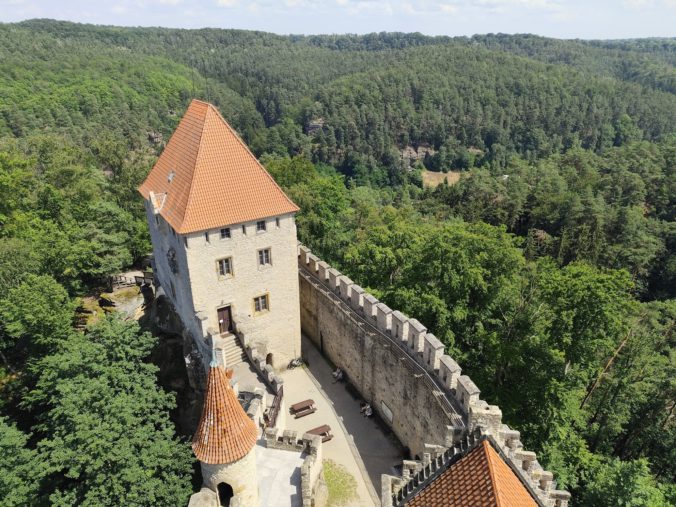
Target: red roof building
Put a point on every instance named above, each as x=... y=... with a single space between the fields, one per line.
x=206 y=177
x=225 y=433
x=479 y=479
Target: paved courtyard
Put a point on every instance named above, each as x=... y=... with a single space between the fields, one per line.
x=278 y=476
x=359 y=443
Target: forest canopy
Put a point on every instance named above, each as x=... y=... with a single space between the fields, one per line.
x=547 y=268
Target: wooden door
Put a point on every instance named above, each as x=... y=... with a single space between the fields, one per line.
x=225 y=320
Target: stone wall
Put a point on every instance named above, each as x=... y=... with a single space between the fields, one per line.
x=401 y=370
x=311 y=469
x=275 y=331
x=365 y=339
x=196 y=289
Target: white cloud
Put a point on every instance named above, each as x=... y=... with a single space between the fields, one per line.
x=227 y=3
x=637 y=4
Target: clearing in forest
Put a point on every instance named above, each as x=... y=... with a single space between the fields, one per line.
x=433 y=179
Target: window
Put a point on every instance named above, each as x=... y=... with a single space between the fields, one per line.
x=261 y=303
x=260 y=226
x=185 y=241
x=206 y=236
x=173 y=289
x=277 y=222
x=224 y=266
x=243 y=229
x=264 y=257
x=157 y=220
x=225 y=233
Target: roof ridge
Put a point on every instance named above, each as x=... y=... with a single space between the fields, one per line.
x=491 y=471
x=197 y=159
x=241 y=142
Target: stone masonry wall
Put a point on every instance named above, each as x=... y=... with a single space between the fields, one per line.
x=399 y=389
x=275 y=331
x=401 y=370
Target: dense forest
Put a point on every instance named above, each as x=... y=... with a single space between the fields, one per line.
x=548 y=269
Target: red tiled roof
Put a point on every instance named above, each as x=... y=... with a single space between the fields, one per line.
x=479 y=479
x=210 y=178
x=225 y=433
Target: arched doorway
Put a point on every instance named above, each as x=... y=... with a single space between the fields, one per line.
x=224 y=493
x=268 y=359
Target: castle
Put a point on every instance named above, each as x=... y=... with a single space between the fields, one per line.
x=227 y=259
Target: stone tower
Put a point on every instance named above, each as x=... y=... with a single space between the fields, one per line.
x=224 y=443
x=224 y=240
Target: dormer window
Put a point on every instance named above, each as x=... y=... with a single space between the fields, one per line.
x=260 y=226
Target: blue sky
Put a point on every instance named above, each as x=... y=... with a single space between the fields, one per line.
x=598 y=19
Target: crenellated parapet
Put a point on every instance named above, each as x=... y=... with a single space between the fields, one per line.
x=311 y=445
x=443 y=376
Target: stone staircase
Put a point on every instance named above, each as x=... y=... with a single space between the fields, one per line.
x=232 y=349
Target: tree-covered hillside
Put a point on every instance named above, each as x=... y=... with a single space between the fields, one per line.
x=548 y=269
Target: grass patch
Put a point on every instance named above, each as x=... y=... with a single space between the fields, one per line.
x=125 y=294
x=433 y=179
x=340 y=483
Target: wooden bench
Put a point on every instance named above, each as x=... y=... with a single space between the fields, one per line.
x=303 y=408
x=323 y=431
x=303 y=413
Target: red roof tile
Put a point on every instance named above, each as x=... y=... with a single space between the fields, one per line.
x=225 y=433
x=210 y=177
x=479 y=479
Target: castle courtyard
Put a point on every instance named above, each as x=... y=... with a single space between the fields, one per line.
x=359 y=443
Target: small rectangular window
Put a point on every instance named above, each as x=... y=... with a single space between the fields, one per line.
x=264 y=257
x=261 y=303
x=260 y=226
x=225 y=266
x=225 y=233
x=243 y=229
x=206 y=236
x=277 y=222
x=185 y=241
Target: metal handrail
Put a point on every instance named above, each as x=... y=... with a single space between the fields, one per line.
x=274 y=409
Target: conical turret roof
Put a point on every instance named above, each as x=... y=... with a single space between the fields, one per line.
x=225 y=433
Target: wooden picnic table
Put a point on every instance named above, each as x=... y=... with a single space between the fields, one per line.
x=323 y=431
x=302 y=405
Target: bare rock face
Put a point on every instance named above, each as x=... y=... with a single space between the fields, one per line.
x=412 y=154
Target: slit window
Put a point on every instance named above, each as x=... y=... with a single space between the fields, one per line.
x=225 y=266
x=243 y=229
x=277 y=222
x=225 y=233
x=264 y=257
x=260 y=226
x=261 y=303
x=206 y=236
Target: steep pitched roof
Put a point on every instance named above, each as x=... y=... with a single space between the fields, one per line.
x=206 y=177
x=225 y=433
x=479 y=479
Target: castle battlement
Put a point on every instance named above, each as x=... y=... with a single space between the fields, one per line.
x=332 y=304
